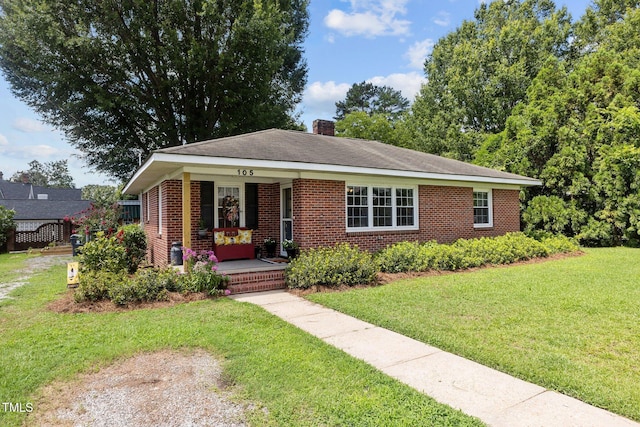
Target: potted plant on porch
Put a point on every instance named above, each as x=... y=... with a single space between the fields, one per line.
x=291 y=247
x=270 y=246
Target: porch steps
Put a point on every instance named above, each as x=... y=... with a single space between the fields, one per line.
x=256 y=281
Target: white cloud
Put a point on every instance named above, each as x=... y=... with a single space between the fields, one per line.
x=28 y=125
x=321 y=94
x=40 y=151
x=442 y=19
x=370 y=18
x=3 y=140
x=418 y=52
x=407 y=83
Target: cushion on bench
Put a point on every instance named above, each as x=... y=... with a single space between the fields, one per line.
x=233 y=243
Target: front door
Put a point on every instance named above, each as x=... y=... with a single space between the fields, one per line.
x=286 y=216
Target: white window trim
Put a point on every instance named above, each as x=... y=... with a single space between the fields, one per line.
x=489 y=192
x=160 y=209
x=394 y=211
x=241 y=221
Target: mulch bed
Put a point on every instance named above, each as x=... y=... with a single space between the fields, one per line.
x=67 y=304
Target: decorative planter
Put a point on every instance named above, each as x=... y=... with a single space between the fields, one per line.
x=271 y=250
x=292 y=253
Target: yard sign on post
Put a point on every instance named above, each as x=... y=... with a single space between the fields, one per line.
x=72 y=274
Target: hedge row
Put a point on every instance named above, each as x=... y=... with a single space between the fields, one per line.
x=340 y=265
x=348 y=265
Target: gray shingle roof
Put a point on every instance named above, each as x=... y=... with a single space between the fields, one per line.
x=45 y=209
x=19 y=191
x=302 y=147
x=14 y=190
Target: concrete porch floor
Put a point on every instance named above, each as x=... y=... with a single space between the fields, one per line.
x=249 y=266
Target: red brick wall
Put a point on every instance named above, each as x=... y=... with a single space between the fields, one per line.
x=159 y=244
x=445 y=215
x=268 y=215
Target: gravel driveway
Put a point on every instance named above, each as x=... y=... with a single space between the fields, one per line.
x=164 y=388
x=33 y=265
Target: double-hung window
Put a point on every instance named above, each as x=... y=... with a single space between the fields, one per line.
x=482 y=208
x=374 y=207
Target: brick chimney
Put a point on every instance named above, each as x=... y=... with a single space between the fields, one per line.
x=324 y=127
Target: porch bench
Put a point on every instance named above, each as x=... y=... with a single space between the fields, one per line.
x=233 y=243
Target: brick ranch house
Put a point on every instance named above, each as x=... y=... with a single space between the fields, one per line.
x=318 y=189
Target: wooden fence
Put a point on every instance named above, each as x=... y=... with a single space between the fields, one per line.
x=39 y=238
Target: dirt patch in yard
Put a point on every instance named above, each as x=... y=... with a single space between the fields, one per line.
x=165 y=388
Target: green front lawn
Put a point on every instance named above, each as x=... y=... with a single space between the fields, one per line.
x=9 y=266
x=298 y=379
x=571 y=325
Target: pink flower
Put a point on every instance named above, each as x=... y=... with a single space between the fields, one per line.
x=227 y=292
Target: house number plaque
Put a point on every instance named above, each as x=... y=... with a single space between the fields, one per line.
x=245 y=172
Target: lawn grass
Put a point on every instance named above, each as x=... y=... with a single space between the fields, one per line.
x=298 y=379
x=10 y=264
x=571 y=325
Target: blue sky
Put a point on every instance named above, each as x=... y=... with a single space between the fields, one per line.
x=350 y=41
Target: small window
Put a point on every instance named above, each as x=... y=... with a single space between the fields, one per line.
x=482 y=210
x=382 y=207
x=404 y=207
x=357 y=207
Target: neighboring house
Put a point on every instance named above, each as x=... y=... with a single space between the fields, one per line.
x=318 y=189
x=40 y=211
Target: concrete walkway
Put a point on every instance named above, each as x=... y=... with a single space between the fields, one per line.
x=494 y=397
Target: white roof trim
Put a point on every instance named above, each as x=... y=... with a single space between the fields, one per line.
x=181 y=160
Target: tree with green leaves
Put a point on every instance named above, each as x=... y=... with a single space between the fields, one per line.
x=6 y=223
x=101 y=196
x=48 y=174
x=579 y=132
x=477 y=74
x=123 y=78
x=372 y=99
x=376 y=127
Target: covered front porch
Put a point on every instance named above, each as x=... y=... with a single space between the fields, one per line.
x=188 y=204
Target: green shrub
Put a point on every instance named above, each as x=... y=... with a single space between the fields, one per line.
x=559 y=244
x=6 y=223
x=146 y=286
x=95 y=285
x=203 y=278
x=507 y=249
x=202 y=273
x=331 y=266
x=103 y=254
x=404 y=256
x=134 y=240
x=468 y=253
